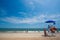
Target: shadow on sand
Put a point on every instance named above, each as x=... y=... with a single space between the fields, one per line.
x=49 y=35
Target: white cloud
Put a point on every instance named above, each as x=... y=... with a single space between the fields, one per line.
x=55 y=16
x=17 y=20
x=49 y=4
x=44 y=5
x=37 y=19
x=22 y=13
x=46 y=2
x=30 y=4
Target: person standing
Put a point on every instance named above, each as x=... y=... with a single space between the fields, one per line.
x=45 y=33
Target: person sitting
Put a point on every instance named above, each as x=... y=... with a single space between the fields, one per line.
x=53 y=29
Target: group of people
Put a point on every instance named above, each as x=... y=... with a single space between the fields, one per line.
x=51 y=29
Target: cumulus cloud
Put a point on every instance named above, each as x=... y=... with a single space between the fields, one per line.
x=37 y=19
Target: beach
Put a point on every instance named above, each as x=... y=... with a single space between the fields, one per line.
x=27 y=36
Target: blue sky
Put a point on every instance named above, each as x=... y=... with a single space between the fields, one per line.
x=28 y=13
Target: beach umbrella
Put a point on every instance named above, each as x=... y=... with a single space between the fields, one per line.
x=50 y=21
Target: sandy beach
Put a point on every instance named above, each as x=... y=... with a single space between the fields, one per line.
x=27 y=36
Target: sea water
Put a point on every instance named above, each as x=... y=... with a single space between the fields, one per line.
x=22 y=29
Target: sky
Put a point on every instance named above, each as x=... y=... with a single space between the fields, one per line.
x=29 y=13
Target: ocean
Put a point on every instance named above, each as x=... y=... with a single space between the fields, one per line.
x=23 y=29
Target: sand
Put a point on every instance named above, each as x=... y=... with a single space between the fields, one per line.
x=27 y=36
